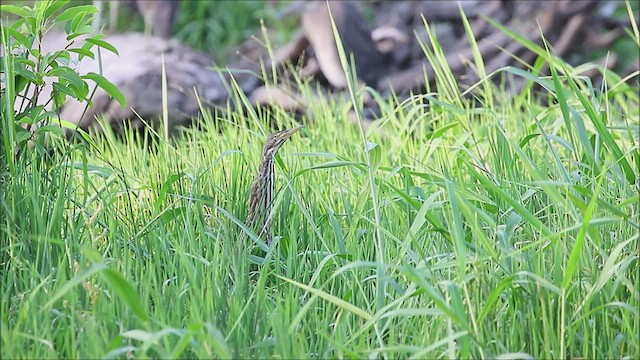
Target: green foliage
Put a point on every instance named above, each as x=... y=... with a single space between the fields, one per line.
x=28 y=116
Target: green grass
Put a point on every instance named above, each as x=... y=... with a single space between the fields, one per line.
x=217 y=27
x=473 y=227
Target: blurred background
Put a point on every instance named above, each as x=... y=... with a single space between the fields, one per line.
x=216 y=27
x=387 y=40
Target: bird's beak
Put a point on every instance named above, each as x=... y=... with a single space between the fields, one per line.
x=287 y=133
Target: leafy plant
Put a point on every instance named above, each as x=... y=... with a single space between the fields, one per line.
x=36 y=84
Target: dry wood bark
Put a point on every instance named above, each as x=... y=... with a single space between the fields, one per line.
x=394 y=61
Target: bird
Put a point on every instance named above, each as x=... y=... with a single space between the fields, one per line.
x=262 y=187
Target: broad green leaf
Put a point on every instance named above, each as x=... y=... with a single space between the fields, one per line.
x=54 y=6
x=66 y=73
x=22 y=135
x=20 y=37
x=51 y=129
x=107 y=86
x=74 y=24
x=16 y=10
x=82 y=52
x=64 y=89
x=103 y=44
x=74 y=11
x=29 y=75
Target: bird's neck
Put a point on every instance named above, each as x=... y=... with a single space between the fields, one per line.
x=266 y=163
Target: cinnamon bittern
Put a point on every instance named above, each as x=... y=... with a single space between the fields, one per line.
x=262 y=187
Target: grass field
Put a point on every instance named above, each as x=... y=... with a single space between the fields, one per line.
x=485 y=226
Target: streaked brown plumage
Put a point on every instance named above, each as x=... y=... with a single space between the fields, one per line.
x=262 y=187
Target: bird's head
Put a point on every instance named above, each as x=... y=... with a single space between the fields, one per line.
x=275 y=140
